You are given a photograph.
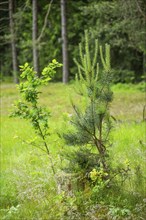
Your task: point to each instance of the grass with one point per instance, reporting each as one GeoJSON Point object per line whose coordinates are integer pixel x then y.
{"type": "Point", "coordinates": [27, 185]}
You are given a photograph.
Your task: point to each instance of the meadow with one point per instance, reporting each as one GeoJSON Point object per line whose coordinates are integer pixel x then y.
{"type": "Point", "coordinates": [27, 184]}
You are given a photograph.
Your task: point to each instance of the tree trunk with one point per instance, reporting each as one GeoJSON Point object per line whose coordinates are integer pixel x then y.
{"type": "Point", "coordinates": [64, 42]}
{"type": "Point", "coordinates": [13, 43]}
{"type": "Point", "coordinates": [144, 64]}
{"type": "Point", "coordinates": [34, 36]}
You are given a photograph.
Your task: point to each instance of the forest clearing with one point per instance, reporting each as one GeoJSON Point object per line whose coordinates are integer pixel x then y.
{"type": "Point", "coordinates": [26, 179]}
{"type": "Point", "coordinates": [73, 110]}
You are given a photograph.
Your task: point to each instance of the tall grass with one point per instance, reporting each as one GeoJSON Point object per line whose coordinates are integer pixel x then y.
{"type": "Point", "coordinates": [27, 185]}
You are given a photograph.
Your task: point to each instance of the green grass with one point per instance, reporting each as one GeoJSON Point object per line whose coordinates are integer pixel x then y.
{"type": "Point", "coordinates": [27, 185]}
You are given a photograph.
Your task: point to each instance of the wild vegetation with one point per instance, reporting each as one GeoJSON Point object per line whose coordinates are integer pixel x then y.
{"type": "Point", "coordinates": [73, 150]}
{"type": "Point", "coordinates": [27, 184]}
{"type": "Point", "coordinates": [119, 23]}
{"type": "Point", "coordinates": [103, 176]}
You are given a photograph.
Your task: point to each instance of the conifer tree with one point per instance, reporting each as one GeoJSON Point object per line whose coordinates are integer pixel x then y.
{"type": "Point", "coordinates": [91, 121]}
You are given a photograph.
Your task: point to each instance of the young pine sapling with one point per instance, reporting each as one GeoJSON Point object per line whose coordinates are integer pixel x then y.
{"type": "Point", "coordinates": [91, 124]}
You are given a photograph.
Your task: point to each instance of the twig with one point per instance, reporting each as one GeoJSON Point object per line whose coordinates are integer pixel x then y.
{"type": "Point", "coordinates": [2, 3]}
{"type": "Point", "coordinates": [45, 22]}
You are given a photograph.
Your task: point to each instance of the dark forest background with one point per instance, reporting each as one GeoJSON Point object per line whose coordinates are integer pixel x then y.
{"type": "Point", "coordinates": [121, 23]}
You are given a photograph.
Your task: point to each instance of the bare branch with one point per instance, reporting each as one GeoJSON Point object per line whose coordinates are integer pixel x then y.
{"type": "Point", "coordinates": [45, 22]}
{"type": "Point", "coordinates": [2, 3]}
{"type": "Point", "coordinates": [4, 9]}
{"type": "Point", "coordinates": [2, 19]}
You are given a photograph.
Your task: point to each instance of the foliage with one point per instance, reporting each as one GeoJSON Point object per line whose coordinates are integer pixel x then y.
{"type": "Point", "coordinates": [28, 107]}
{"type": "Point", "coordinates": [92, 123]}
{"type": "Point", "coordinates": [27, 185]}
{"type": "Point", "coordinates": [121, 23]}
{"type": "Point", "coordinates": [98, 181]}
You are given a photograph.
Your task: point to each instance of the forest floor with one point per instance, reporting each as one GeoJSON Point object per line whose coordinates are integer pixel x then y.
{"type": "Point", "coordinates": [24, 168]}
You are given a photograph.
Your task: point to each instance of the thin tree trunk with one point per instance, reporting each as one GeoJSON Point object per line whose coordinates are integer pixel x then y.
{"type": "Point", "coordinates": [13, 43]}
{"type": "Point", "coordinates": [34, 36]}
{"type": "Point", "coordinates": [144, 63]}
{"type": "Point", "coordinates": [64, 42]}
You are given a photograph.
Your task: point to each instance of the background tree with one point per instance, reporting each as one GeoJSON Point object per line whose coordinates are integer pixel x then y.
{"type": "Point", "coordinates": [136, 14]}
{"type": "Point", "coordinates": [13, 43]}
{"type": "Point", "coordinates": [120, 23]}
{"type": "Point", "coordinates": [5, 51]}
{"type": "Point", "coordinates": [34, 36]}
{"type": "Point", "coordinates": [64, 42]}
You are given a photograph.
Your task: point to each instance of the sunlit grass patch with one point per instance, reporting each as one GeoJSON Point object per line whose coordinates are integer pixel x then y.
{"type": "Point", "coordinates": [26, 178]}
{"type": "Point", "coordinates": [129, 141]}
{"type": "Point", "coordinates": [128, 102]}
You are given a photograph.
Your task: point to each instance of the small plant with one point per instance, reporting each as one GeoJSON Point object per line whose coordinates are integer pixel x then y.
{"type": "Point", "coordinates": [97, 175]}
{"type": "Point", "coordinates": [91, 121]}
{"type": "Point", "coordinates": [117, 213]}
{"type": "Point", "coordinates": [28, 106]}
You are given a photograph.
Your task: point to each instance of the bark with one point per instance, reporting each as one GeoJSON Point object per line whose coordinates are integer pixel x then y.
{"type": "Point", "coordinates": [34, 36]}
{"type": "Point", "coordinates": [144, 63]}
{"type": "Point", "coordinates": [13, 43]}
{"type": "Point", "coordinates": [64, 42]}
{"type": "Point", "coordinates": [144, 54]}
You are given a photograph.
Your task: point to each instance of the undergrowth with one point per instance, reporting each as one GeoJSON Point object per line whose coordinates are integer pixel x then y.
{"type": "Point", "coordinates": [27, 187]}
{"type": "Point", "coordinates": [27, 184]}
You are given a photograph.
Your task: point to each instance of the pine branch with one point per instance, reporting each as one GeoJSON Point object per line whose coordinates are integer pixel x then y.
{"type": "Point", "coordinates": [140, 9]}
